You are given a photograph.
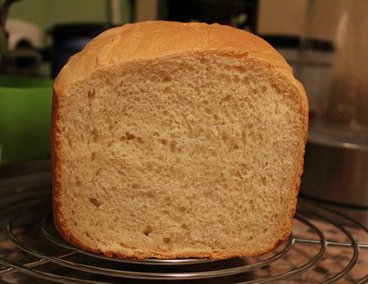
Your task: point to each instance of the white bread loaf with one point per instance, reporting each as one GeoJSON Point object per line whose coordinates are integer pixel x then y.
{"type": "Point", "coordinates": [175, 140]}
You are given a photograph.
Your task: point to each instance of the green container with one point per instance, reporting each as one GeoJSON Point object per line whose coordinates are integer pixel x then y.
{"type": "Point", "coordinates": [25, 119]}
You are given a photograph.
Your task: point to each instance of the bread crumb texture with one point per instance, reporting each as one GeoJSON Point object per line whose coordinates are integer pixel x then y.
{"type": "Point", "coordinates": [194, 154]}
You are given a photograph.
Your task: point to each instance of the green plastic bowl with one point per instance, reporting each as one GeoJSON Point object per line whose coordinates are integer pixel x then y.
{"type": "Point", "coordinates": [25, 119]}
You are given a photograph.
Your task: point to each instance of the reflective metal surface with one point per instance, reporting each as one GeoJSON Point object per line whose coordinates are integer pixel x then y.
{"type": "Point", "coordinates": [336, 170]}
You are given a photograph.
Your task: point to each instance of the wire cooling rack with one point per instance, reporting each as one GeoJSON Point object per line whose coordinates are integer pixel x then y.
{"type": "Point", "coordinates": [325, 247]}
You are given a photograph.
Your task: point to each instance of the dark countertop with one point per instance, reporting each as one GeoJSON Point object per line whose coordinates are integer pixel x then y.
{"type": "Point", "coordinates": [32, 173]}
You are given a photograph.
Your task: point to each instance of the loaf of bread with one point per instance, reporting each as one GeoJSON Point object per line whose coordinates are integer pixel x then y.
{"type": "Point", "coordinates": [177, 140]}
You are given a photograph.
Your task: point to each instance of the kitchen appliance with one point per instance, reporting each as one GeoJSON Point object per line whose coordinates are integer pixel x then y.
{"type": "Point", "coordinates": [21, 32]}
{"type": "Point", "coordinates": [25, 118]}
{"type": "Point", "coordinates": [23, 44]}
{"type": "Point", "coordinates": [336, 160]}
{"type": "Point", "coordinates": [25, 104]}
{"type": "Point", "coordinates": [336, 168]}
{"type": "Point", "coordinates": [237, 13]}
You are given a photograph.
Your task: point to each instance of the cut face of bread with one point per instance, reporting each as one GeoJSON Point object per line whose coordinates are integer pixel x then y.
{"type": "Point", "coordinates": [191, 154]}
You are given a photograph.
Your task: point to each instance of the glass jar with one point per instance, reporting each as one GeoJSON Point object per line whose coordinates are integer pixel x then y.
{"type": "Point", "coordinates": [339, 103]}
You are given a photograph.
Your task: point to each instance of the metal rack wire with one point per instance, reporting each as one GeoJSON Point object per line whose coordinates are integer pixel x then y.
{"type": "Point", "coordinates": [37, 251]}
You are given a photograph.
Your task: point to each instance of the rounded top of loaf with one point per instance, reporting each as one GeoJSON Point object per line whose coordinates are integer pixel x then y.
{"type": "Point", "coordinates": [155, 39]}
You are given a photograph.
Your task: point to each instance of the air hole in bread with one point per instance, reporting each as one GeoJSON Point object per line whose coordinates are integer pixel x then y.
{"type": "Point", "coordinates": [78, 182]}
{"type": "Point", "coordinates": [147, 230]}
{"type": "Point", "coordinates": [244, 137]}
{"type": "Point", "coordinates": [173, 146]}
{"type": "Point", "coordinates": [208, 110]}
{"type": "Point", "coordinates": [243, 168]}
{"type": "Point", "coordinates": [189, 126]}
{"type": "Point", "coordinates": [150, 194]}
{"type": "Point", "coordinates": [264, 89]}
{"type": "Point", "coordinates": [91, 94]}
{"type": "Point", "coordinates": [95, 202]}
{"type": "Point", "coordinates": [263, 181]}
{"type": "Point", "coordinates": [167, 240]}
{"type": "Point", "coordinates": [246, 80]}
{"type": "Point", "coordinates": [167, 199]}
{"type": "Point", "coordinates": [135, 185]}
{"type": "Point", "coordinates": [184, 226]}
{"type": "Point", "coordinates": [166, 79]}
{"type": "Point", "coordinates": [213, 153]}
{"type": "Point", "coordinates": [95, 135]}
{"type": "Point", "coordinates": [216, 117]}
{"type": "Point", "coordinates": [122, 244]}
{"type": "Point", "coordinates": [233, 146]}
{"type": "Point", "coordinates": [166, 90]}
{"type": "Point", "coordinates": [129, 136]}
{"type": "Point", "coordinates": [163, 141]}
{"type": "Point", "coordinates": [93, 156]}
{"type": "Point", "coordinates": [224, 136]}
{"type": "Point", "coordinates": [70, 144]}
{"type": "Point", "coordinates": [276, 88]}
{"type": "Point", "coordinates": [226, 98]}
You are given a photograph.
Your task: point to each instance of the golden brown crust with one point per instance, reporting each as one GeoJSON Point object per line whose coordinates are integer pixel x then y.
{"type": "Point", "coordinates": [149, 40]}
{"type": "Point", "coordinates": [152, 40]}
{"type": "Point", "coordinates": [55, 163]}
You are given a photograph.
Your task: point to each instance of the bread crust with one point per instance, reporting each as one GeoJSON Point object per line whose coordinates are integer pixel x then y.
{"type": "Point", "coordinates": [150, 40]}
{"type": "Point", "coordinates": [160, 39]}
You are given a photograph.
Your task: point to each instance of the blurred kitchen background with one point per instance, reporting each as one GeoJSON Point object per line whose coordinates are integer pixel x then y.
{"type": "Point", "coordinates": [325, 41]}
